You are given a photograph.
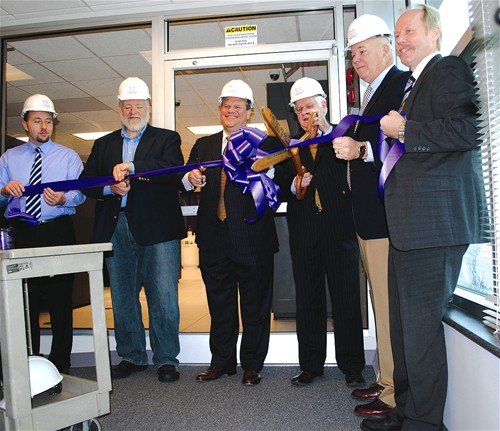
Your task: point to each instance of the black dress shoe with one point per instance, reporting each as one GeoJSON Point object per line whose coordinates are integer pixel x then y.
{"type": "Point", "coordinates": [353, 378]}
{"type": "Point", "coordinates": [125, 369]}
{"type": "Point", "coordinates": [168, 373]}
{"type": "Point", "coordinates": [389, 423]}
{"type": "Point", "coordinates": [251, 378]}
{"type": "Point", "coordinates": [213, 372]}
{"type": "Point", "coordinates": [369, 393]}
{"type": "Point", "coordinates": [304, 378]}
{"type": "Point", "coordinates": [375, 408]}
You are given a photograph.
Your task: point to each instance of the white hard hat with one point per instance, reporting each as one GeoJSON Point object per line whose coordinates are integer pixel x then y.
{"type": "Point", "coordinates": [43, 374]}
{"type": "Point", "coordinates": [38, 102]}
{"type": "Point", "coordinates": [365, 27]}
{"type": "Point", "coordinates": [133, 89]}
{"type": "Point", "coordinates": [237, 88]}
{"type": "Point", "coordinates": [305, 87]}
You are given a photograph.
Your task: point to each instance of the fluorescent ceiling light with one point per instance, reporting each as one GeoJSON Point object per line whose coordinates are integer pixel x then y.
{"type": "Point", "coordinates": [92, 136]}
{"type": "Point", "coordinates": [210, 130]}
{"type": "Point", "coordinates": [14, 74]}
{"type": "Point", "coordinates": [23, 138]}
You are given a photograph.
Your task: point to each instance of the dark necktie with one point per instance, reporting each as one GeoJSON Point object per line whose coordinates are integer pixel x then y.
{"type": "Point", "coordinates": [391, 156]}
{"type": "Point", "coordinates": [409, 86]}
{"type": "Point", "coordinates": [34, 203]}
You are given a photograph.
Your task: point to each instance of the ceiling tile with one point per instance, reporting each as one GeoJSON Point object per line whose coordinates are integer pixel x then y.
{"type": "Point", "coordinates": [82, 69]}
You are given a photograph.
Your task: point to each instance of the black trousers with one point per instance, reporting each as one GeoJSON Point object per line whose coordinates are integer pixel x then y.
{"type": "Point", "coordinates": [51, 293]}
{"type": "Point", "coordinates": [338, 261]}
{"type": "Point", "coordinates": [227, 271]}
{"type": "Point", "coordinates": [421, 283]}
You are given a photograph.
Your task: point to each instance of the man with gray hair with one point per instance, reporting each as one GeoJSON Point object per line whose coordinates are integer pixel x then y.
{"type": "Point", "coordinates": [143, 220]}
{"type": "Point", "coordinates": [371, 56]}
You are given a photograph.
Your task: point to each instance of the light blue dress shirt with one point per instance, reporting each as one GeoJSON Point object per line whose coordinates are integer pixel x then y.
{"type": "Point", "coordinates": [59, 163]}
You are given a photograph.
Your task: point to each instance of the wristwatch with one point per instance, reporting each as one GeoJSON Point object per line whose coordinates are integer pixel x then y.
{"type": "Point", "coordinates": [362, 150]}
{"type": "Point", "coordinates": [401, 132]}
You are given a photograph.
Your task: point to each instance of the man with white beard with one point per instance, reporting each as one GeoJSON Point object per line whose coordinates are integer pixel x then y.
{"type": "Point", "coordinates": [142, 218]}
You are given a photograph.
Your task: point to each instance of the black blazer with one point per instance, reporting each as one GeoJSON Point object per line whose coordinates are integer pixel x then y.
{"type": "Point", "coordinates": [153, 210]}
{"type": "Point", "coordinates": [434, 195]}
{"type": "Point", "coordinates": [249, 238]}
{"type": "Point", "coordinates": [330, 178]}
{"type": "Point", "coordinates": [368, 207]}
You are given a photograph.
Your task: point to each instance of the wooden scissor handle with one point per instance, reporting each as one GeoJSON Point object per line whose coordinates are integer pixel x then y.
{"type": "Point", "coordinates": [311, 132]}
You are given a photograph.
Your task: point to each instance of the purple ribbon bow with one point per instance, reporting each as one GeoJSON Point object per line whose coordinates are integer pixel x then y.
{"type": "Point", "coordinates": [242, 151]}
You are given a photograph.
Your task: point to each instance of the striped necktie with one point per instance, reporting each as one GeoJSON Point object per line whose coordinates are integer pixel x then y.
{"type": "Point", "coordinates": [409, 86]}
{"type": "Point", "coordinates": [34, 203]}
{"type": "Point", "coordinates": [366, 99]}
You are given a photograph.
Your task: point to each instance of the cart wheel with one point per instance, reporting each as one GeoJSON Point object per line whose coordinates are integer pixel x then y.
{"type": "Point", "coordinates": [89, 425]}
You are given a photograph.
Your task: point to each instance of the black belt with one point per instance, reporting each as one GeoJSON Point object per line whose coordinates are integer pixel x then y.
{"type": "Point", "coordinates": [40, 222]}
{"type": "Point", "coordinates": [122, 209]}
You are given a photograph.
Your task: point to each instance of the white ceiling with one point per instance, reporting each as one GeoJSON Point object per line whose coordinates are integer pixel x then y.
{"type": "Point", "coordinates": [81, 72]}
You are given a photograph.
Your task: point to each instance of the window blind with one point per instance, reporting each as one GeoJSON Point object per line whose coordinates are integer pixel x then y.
{"type": "Point", "coordinates": [486, 57]}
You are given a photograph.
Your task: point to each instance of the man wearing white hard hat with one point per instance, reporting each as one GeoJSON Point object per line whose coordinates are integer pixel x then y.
{"type": "Point", "coordinates": [323, 244]}
{"type": "Point", "coordinates": [41, 160]}
{"type": "Point", "coordinates": [371, 55]}
{"type": "Point", "coordinates": [142, 218]}
{"type": "Point", "coordinates": [235, 256]}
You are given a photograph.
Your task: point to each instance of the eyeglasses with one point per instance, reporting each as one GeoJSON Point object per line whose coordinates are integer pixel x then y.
{"type": "Point", "coordinates": [308, 107]}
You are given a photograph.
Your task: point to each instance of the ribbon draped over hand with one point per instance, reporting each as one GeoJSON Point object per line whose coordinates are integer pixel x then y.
{"type": "Point", "coordinates": [243, 149]}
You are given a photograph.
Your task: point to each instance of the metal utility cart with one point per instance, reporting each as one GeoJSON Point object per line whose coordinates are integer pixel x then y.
{"type": "Point", "coordinates": [80, 399]}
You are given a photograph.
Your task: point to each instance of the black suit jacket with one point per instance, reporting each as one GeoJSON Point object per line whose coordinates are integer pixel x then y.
{"type": "Point", "coordinates": [434, 195]}
{"type": "Point", "coordinates": [368, 207]}
{"type": "Point", "coordinates": [153, 210]}
{"type": "Point", "coordinates": [250, 238]}
{"type": "Point", "coordinates": [330, 178]}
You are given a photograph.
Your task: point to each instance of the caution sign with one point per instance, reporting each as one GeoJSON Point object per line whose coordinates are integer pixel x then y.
{"type": "Point", "coordinates": [241, 35]}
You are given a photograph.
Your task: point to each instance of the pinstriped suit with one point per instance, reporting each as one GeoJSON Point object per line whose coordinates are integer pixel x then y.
{"type": "Point", "coordinates": [235, 256]}
{"type": "Point", "coordinates": [324, 244]}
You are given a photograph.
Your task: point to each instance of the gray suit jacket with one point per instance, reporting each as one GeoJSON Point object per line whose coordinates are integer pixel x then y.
{"type": "Point", "coordinates": [434, 195]}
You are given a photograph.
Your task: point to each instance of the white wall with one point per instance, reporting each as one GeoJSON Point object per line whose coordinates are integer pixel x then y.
{"type": "Point", "coordinates": [473, 402]}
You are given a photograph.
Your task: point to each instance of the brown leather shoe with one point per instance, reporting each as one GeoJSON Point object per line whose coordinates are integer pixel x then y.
{"type": "Point", "coordinates": [368, 394]}
{"type": "Point", "coordinates": [213, 372]}
{"type": "Point", "coordinates": [251, 378]}
{"type": "Point", "coordinates": [375, 408]}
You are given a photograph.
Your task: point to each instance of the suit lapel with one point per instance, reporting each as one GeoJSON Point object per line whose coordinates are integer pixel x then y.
{"type": "Point", "coordinates": [380, 89]}
{"type": "Point", "coordinates": [418, 82]}
{"type": "Point", "coordinates": [147, 140]}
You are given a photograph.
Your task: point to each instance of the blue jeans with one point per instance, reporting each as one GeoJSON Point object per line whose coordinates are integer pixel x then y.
{"type": "Point", "coordinates": [156, 267]}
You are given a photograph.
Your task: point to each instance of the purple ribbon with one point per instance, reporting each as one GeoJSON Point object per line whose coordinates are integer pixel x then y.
{"type": "Point", "coordinates": [337, 132]}
{"type": "Point", "coordinates": [242, 151]}
{"type": "Point", "coordinates": [87, 183]}
{"type": "Point", "coordinates": [389, 155]}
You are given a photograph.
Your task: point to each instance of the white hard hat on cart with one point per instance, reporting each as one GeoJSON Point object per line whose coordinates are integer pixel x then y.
{"type": "Point", "coordinates": [365, 27]}
{"type": "Point", "coordinates": [237, 88]}
{"type": "Point", "coordinates": [39, 103]}
{"type": "Point", "coordinates": [43, 376]}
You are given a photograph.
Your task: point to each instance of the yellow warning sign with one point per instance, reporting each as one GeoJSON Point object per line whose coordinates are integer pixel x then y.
{"type": "Point", "coordinates": [241, 35]}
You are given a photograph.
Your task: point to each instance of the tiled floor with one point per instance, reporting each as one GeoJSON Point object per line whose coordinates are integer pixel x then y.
{"type": "Point", "coordinates": [193, 309]}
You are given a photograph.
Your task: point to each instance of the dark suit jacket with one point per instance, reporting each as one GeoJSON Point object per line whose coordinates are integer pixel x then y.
{"type": "Point", "coordinates": [434, 195]}
{"type": "Point", "coordinates": [368, 207]}
{"type": "Point", "coordinates": [153, 210]}
{"type": "Point", "coordinates": [250, 238]}
{"type": "Point", "coordinates": [330, 178]}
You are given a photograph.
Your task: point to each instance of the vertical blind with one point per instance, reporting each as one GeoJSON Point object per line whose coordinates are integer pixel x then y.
{"type": "Point", "coordinates": [486, 68]}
